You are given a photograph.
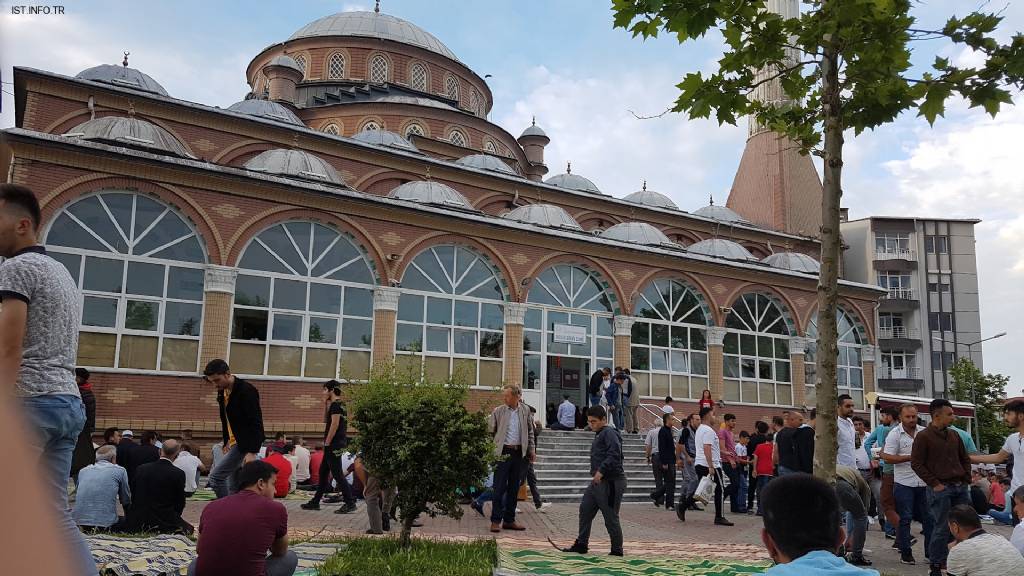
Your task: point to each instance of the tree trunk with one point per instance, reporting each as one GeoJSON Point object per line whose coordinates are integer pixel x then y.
{"type": "Point", "coordinates": [825, 445]}
{"type": "Point", "coordinates": [405, 538]}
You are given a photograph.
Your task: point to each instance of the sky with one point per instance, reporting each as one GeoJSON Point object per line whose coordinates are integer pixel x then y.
{"type": "Point", "coordinates": [586, 82]}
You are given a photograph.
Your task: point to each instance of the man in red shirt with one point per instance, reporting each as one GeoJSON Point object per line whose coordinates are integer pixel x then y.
{"type": "Point", "coordinates": [764, 468]}
{"type": "Point", "coordinates": [277, 459]}
{"type": "Point", "coordinates": [314, 465]}
{"type": "Point", "coordinates": [237, 531]}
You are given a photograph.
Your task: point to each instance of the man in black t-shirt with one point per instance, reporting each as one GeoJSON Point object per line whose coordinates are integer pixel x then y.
{"type": "Point", "coordinates": [335, 440]}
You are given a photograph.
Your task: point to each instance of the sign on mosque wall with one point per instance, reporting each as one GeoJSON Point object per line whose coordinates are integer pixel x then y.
{"type": "Point", "coordinates": [569, 334]}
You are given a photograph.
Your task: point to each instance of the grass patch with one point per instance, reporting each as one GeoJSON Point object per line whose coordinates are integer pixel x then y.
{"type": "Point", "coordinates": [384, 557]}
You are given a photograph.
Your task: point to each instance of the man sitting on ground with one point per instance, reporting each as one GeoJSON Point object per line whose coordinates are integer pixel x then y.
{"type": "Point", "coordinates": [144, 453]}
{"type": "Point", "coordinates": [112, 437]}
{"type": "Point", "coordinates": [277, 459]}
{"type": "Point", "coordinates": [302, 455]}
{"type": "Point", "coordinates": [191, 465]}
{"type": "Point", "coordinates": [802, 529]}
{"type": "Point", "coordinates": [566, 415]}
{"type": "Point", "coordinates": [158, 492]}
{"type": "Point", "coordinates": [99, 487]}
{"type": "Point", "coordinates": [237, 531]}
{"type": "Point", "coordinates": [977, 552]}
{"type": "Point", "coordinates": [1017, 538]}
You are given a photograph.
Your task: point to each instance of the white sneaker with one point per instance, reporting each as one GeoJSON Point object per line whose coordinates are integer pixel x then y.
{"type": "Point", "coordinates": [519, 510]}
{"type": "Point", "coordinates": [543, 508]}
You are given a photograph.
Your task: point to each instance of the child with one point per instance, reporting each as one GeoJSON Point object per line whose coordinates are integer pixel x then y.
{"type": "Point", "coordinates": [764, 469]}
{"type": "Point", "coordinates": [741, 455]}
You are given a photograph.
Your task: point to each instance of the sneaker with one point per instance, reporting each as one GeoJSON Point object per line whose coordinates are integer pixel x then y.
{"type": "Point", "coordinates": [681, 512]}
{"type": "Point", "coordinates": [478, 508]}
{"type": "Point", "coordinates": [858, 560]}
{"type": "Point", "coordinates": [333, 499]}
{"type": "Point", "coordinates": [935, 571]}
{"type": "Point", "coordinates": [346, 508]}
{"type": "Point", "coordinates": [575, 548]}
{"type": "Point", "coordinates": [309, 506]}
{"type": "Point", "coordinates": [889, 536]}
{"type": "Point", "coordinates": [907, 558]}
{"type": "Point", "coordinates": [615, 553]}
{"type": "Point", "coordinates": [544, 506]}
{"type": "Point", "coordinates": [723, 522]}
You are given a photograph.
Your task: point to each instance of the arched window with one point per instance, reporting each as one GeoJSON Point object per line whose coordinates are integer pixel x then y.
{"type": "Point", "coordinates": [849, 369]}
{"type": "Point", "coordinates": [413, 129]}
{"type": "Point", "coordinates": [336, 66]}
{"type": "Point", "coordinates": [756, 350]}
{"type": "Point", "coordinates": [451, 87]}
{"type": "Point", "coordinates": [418, 77]}
{"type": "Point", "coordinates": [306, 307]}
{"type": "Point", "coordinates": [379, 69]}
{"type": "Point", "coordinates": [301, 61]}
{"type": "Point", "coordinates": [669, 341]}
{"type": "Point", "coordinates": [140, 268]}
{"type": "Point", "coordinates": [474, 102]}
{"type": "Point", "coordinates": [370, 125]}
{"type": "Point", "coordinates": [489, 147]}
{"type": "Point", "coordinates": [450, 316]}
{"type": "Point", "coordinates": [457, 138]}
{"type": "Point", "coordinates": [331, 129]}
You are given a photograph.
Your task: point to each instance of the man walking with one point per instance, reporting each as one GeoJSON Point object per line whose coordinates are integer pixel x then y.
{"type": "Point", "coordinates": [708, 461]}
{"type": "Point", "coordinates": [1013, 415]}
{"type": "Point", "coordinates": [598, 381]}
{"type": "Point", "coordinates": [940, 459]}
{"type": "Point", "coordinates": [511, 427]}
{"type": "Point", "coordinates": [686, 451]}
{"type": "Point", "coordinates": [241, 425]}
{"type": "Point", "coordinates": [651, 451]}
{"type": "Point", "coordinates": [908, 489]}
{"type": "Point", "coordinates": [731, 463]}
{"type": "Point", "coordinates": [606, 487]}
{"type": "Point", "coordinates": [666, 463]}
{"type": "Point", "coordinates": [566, 415]}
{"type": "Point", "coordinates": [40, 316]}
{"type": "Point", "coordinates": [335, 440]}
{"type": "Point", "coordinates": [888, 418]}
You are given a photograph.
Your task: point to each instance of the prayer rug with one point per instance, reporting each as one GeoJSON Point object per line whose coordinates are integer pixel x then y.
{"type": "Point", "coordinates": [166, 555]}
{"type": "Point", "coordinates": [207, 495]}
{"type": "Point", "coordinates": [538, 563]}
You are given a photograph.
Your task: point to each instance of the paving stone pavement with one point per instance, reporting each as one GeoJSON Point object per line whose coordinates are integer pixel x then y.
{"type": "Point", "coordinates": [648, 531]}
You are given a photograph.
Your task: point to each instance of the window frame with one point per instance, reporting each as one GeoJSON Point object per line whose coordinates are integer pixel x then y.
{"type": "Point", "coordinates": [330, 62]}
{"type": "Point", "coordinates": [372, 69]}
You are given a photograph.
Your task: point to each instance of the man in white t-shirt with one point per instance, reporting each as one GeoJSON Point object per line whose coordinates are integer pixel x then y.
{"type": "Point", "coordinates": [191, 465]}
{"type": "Point", "coordinates": [301, 475]}
{"type": "Point", "coordinates": [976, 552]}
{"type": "Point", "coordinates": [708, 461]}
{"type": "Point", "coordinates": [909, 491]}
{"type": "Point", "coordinates": [1013, 413]}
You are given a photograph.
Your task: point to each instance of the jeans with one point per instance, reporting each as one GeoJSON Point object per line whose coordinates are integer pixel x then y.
{"type": "Point", "coordinates": [616, 412]}
{"type": "Point", "coordinates": [595, 399]}
{"type": "Point", "coordinates": [222, 477]}
{"type": "Point", "coordinates": [1004, 516]}
{"type": "Point", "coordinates": [912, 504]}
{"type": "Point", "coordinates": [275, 565]}
{"type": "Point", "coordinates": [559, 426]}
{"type": "Point", "coordinates": [331, 464]}
{"type": "Point", "coordinates": [530, 477]}
{"type": "Point", "coordinates": [605, 497]}
{"type": "Point", "coordinates": [57, 420]}
{"type": "Point", "coordinates": [689, 483]}
{"type": "Point", "coordinates": [733, 473]}
{"type": "Point", "coordinates": [856, 516]}
{"type": "Point", "coordinates": [783, 471]}
{"type": "Point", "coordinates": [762, 481]}
{"type": "Point", "coordinates": [741, 492]}
{"type": "Point", "coordinates": [939, 504]}
{"type": "Point", "coordinates": [507, 478]}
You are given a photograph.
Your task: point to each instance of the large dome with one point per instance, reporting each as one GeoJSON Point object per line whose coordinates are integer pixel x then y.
{"type": "Point", "coordinates": [129, 132]}
{"type": "Point", "coordinates": [294, 164]}
{"type": "Point", "coordinates": [374, 25]}
{"type": "Point", "coordinates": [122, 76]}
{"type": "Point", "coordinates": [431, 192]}
{"type": "Point", "coordinates": [793, 261]}
{"type": "Point", "coordinates": [546, 215]}
{"type": "Point", "coordinates": [386, 138]}
{"type": "Point", "coordinates": [721, 248]}
{"type": "Point", "coordinates": [721, 213]}
{"type": "Point", "coordinates": [266, 109]}
{"type": "Point", "coordinates": [638, 233]}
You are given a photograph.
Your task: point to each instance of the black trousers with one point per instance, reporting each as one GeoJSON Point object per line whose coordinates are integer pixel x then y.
{"type": "Point", "coordinates": [530, 477]}
{"type": "Point", "coordinates": [703, 471]}
{"type": "Point", "coordinates": [508, 475]}
{"type": "Point", "coordinates": [331, 464]}
{"type": "Point", "coordinates": [667, 486]}
{"type": "Point", "coordinates": [733, 490]}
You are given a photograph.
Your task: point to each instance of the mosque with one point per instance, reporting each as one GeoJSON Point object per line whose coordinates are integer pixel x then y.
{"type": "Point", "coordinates": [358, 207]}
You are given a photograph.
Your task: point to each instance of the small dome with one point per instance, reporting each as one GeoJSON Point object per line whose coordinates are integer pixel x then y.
{"type": "Point", "coordinates": [638, 233]}
{"type": "Point", "coordinates": [793, 261]}
{"type": "Point", "coordinates": [287, 62]}
{"type": "Point", "coordinates": [721, 213]}
{"type": "Point", "coordinates": [374, 25]}
{"type": "Point", "coordinates": [546, 215]}
{"type": "Point", "coordinates": [294, 164]}
{"type": "Point", "coordinates": [122, 76]}
{"type": "Point", "coordinates": [385, 138]}
{"type": "Point", "coordinates": [130, 132]}
{"type": "Point", "coordinates": [486, 162]}
{"type": "Point", "coordinates": [266, 109]}
{"type": "Point", "coordinates": [573, 181]}
{"type": "Point", "coordinates": [651, 198]}
{"type": "Point", "coordinates": [720, 248]}
{"type": "Point", "coordinates": [431, 192]}
{"type": "Point", "coordinates": [534, 130]}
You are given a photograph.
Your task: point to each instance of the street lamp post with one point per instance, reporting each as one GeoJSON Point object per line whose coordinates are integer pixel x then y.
{"type": "Point", "coordinates": [970, 354]}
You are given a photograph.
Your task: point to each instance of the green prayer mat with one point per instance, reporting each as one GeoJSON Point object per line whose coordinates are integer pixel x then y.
{"type": "Point", "coordinates": [533, 562]}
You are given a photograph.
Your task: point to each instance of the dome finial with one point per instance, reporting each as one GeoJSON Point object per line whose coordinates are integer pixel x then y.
{"type": "Point", "coordinates": [645, 186]}
{"type": "Point", "coordinates": [568, 167]}
{"type": "Point", "coordinates": [377, 7]}
{"type": "Point", "coordinates": [711, 197]}
{"type": "Point", "coordinates": [534, 121]}
{"type": "Point", "coordinates": [125, 61]}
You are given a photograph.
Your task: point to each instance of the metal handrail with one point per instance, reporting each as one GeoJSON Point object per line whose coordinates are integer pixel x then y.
{"type": "Point", "coordinates": [895, 255]}
{"type": "Point", "coordinates": [898, 332]}
{"type": "Point", "coordinates": [910, 373]}
{"type": "Point", "coordinates": [654, 412]}
{"type": "Point", "coordinates": [901, 294]}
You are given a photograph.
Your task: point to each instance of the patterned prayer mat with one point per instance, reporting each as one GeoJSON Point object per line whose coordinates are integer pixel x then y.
{"type": "Point", "coordinates": [537, 563]}
{"type": "Point", "coordinates": [167, 555]}
{"type": "Point", "coordinates": [207, 495]}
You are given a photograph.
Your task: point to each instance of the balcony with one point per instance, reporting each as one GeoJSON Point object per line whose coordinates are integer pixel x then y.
{"type": "Point", "coordinates": [898, 299]}
{"type": "Point", "coordinates": [898, 338]}
{"type": "Point", "coordinates": [906, 379]}
{"type": "Point", "coordinates": [896, 255]}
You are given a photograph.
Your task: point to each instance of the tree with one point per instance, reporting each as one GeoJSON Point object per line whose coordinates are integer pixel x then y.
{"type": "Point", "coordinates": [987, 392]}
{"type": "Point", "coordinates": [418, 437]}
{"type": "Point", "coordinates": [841, 64]}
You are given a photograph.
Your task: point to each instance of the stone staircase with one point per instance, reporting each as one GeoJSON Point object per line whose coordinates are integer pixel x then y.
{"type": "Point", "coordinates": [563, 466]}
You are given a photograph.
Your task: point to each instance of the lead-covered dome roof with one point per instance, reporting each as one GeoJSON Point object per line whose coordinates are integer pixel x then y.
{"type": "Point", "coordinates": [374, 25]}
{"type": "Point", "coordinates": [721, 248]}
{"type": "Point", "coordinates": [721, 213]}
{"type": "Point", "coordinates": [386, 138]}
{"type": "Point", "coordinates": [486, 162]}
{"type": "Point", "coordinates": [638, 233]}
{"type": "Point", "coordinates": [122, 76]}
{"type": "Point", "coordinates": [546, 215]}
{"type": "Point", "coordinates": [431, 192]}
{"type": "Point", "coordinates": [294, 164]}
{"type": "Point", "coordinates": [287, 62]}
{"type": "Point", "coordinates": [131, 132]}
{"type": "Point", "coordinates": [573, 182]}
{"type": "Point", "coordinates": [266, 109]}
{"type": "Point", "coordinates": [793, 261]}
{"type": "Point", "coordinates": [651, 198]}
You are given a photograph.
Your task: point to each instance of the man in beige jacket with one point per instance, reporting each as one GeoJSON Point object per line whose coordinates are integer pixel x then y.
{"type": "Point", "coordinates": [511, 427]}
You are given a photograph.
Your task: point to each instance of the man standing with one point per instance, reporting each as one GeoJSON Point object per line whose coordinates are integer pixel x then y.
{"type": "Point", "coordinates": [908, 489]}
{"type": "Point", "coordinates": [940, 459]}
{"type": "Point", "coordinates": [633, 402]}
{"type": "Point", "coordinates": [686, 451]}
{"type": "Point", "coordinates": [241, 424]}
{"type": "Point", "coordinates": [598, 381]}
{"type": "Point", "coordinates": [40, 316]}
{"type": "Point", "coordinates": [566, 415]}
{"type": "Point", "coordinates": [888, 417]}
{"type": "Point", "coordinates": [511, 427]}
{"type": "Point", "coordinates": [756, 439]}
{"type": "Point", "coordinates": [846, 434]}
{"type": "Point", "coordinates": [613, 397]}
{"type": "Point", "coordinates": [1013, 414]}
{"type": "Point", "coordinates": [731, 463]}
{"type": "Point", "coordinates": [99, 488]}
{"type": "Point", "coordinates": [335, 440]}
{"type": "Point", "coordinates": [794, 446]}
{"type": "Point", "coordinates": [84, 452]}
{"type": "Point", "coordinates": [651, 448]}
{"type": "Point", "coordinates": [158, 497]}
{"type": "Point", "coordinates": [708, 461]}
{"type": "Point", "coordinates": [606, 487]}
{"type": "Point", "coordinates": [666, 463]}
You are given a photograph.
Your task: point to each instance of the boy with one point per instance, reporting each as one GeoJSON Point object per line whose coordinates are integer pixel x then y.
{"type": "Point", "coordinates": [764, 471]}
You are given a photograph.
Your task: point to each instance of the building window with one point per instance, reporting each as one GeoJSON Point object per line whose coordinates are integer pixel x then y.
{"type": "Point", "coordinates": [756, 352]}
{"type": "Point", "coordinates": [940, 321]}
{"type": "Point", "coordinates": [336, 66]}
{"type": "Point", "coordinates": [892, 243]}
{"type": "Point", "coordinates": [473, 103]}
{"type": "Point", "coordinates": [303, 305]}
{"type": "Point", "coordinates": [451, 87]}
{"type": "Point", "coordinates": [668, 352]}
{"type": "Point", "coordinates": [898, 284]}
{"type": "Point", "coordinates": [451, 319]}
{"type": "Point", "coordinates": [331, 129]}
{"type": "Point", "coordinates": [418, 77]}
{"type": "Point", "coordinates": [457, 138]}
{"type": "Point", "coordinates": [413, 129]}
{"type": "Point", "coordinates": [899, 365]}
{"type": "Point", "coordinates": [370, 125]}
{"type": "Point", "coordinates": [849, 366]}
{"type": "Point", "coordinates": [140, 267]}
{"type": "Point", "coordinates": [301, 61]}
{"type": "Point", "coordinates": [489, 147]}
{"type": "Point", "coordinates": [378, 69]}
{"type": "Point", "coordinates": [943, 361]}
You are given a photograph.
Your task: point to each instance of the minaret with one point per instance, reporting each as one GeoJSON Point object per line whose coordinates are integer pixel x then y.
{"type": "Point", "coordinates": [775, 186]}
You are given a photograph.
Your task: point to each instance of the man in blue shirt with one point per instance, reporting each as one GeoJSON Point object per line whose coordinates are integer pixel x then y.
{"type": "Point", "coordinates": [566, 415]}
{"type": "Point", "coordinates": [802, 530]}
{"type": "Point", "coordinates": [100, 486]}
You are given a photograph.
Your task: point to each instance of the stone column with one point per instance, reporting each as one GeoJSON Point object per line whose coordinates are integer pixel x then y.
{"type": "Point", "coordinates": [867, 360]}
{"type": "Point", "coordinates": [797, 375]}
{"type": "Point", "coordinates": [515, 316]}
{"type": "Point", "coordinates": [716, 362]}
{"type": "Point", "coordinates": [385, 311]}
{"type": "Point", "coordinates": [623, 332]}
{"type": "Point", "coordinates": [219, 292]}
